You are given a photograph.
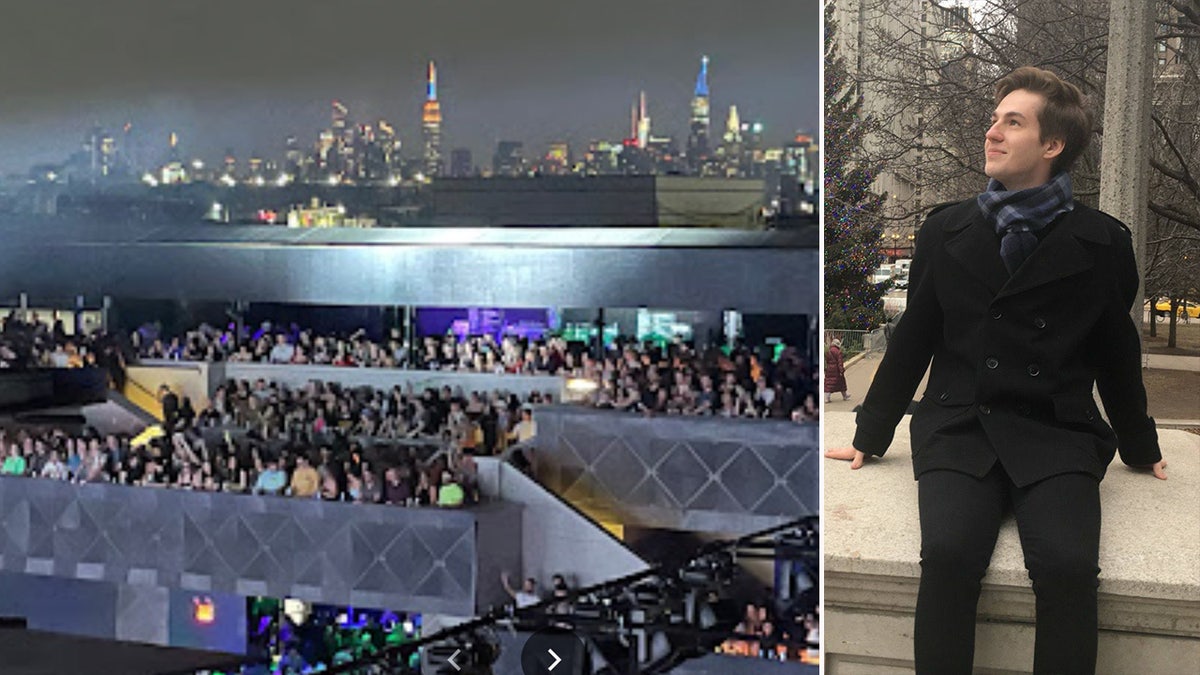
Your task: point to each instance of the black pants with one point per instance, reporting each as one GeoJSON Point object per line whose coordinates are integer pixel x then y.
{"type": "Point", "coordinates": [1059, 523]}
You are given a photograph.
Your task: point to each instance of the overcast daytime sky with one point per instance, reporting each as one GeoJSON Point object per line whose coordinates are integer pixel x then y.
{"type": "Point", "coordinates": [243, 74]}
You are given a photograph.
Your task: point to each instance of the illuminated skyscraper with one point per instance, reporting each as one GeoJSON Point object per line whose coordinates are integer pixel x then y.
{"type": "Point", "coordinates": [334, 151]}
{"type": "Point", "coordinates": [431, 125]}
{"type": "Point", "coordinates": [698, 146]}
{"type": "Point", "coordinates": [338, 118]}
{"type": "Point", "coordinates": [729, 154]}
{"type": "Point", "coordinates": [643, 123]}
{"type": "Point", "coordinates": [733, 127]}
{"type": "Point", "coordinates": [557, 161]}
{"type": "Point", "coordinates": [101, 149]}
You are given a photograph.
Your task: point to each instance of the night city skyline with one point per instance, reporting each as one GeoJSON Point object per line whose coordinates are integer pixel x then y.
{"type": "Point", "coordinates": [244, 79]}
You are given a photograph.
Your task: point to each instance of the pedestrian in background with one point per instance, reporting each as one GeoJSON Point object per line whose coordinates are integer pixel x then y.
{"type": "Point", "coordinates": [835, 372]}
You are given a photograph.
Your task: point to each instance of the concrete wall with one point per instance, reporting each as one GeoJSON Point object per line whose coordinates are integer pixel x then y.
{"type": "Point", "coordinates": [348, 266]}
{"type": "Point", "coordinates": [414, 559]}
{"type": "Point", "coordinates": [18, 388]}
{"type": "Point", "coordinates": [555, 538]}
{"type": "Point", "coordinates": [185, 379]}
{"type": "Point", "coordinates": [1149, 562]}
{"type": "Point", "coordinates": [700, 474]}
{"type": "Point", "coordinates": [112, 417]}
{"type": "Point", "coordinates": [114, 611]}
{"type": "Point", "coordinates": [386, 378]}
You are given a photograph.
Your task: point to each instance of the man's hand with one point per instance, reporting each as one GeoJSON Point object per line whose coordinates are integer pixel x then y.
{"type": "Point", "coordinates": [849, 454]}
{"type": "Point", "coordinates": [1158, 468]}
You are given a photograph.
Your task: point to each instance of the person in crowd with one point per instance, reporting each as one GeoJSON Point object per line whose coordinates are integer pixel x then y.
{"type": "Point", "coordinates": [397, 486]}
{"type": "Point", "coordinates": [55, 469]}
{"type": "Point", "coordinates": [526, 429]}
{"type": "Point", "coordinates": [372, 491]}
{"type": "Point", "coordinates": [526, 596]}
{"type": "Point", "coordinates": [169, 401]}
{"type": "Point", "coordinates": [561, 593]}
{"type": "Point", "coordinates": [272, 480]}
{"type": "Point", "coordinates": [305, 479]}
{"type": "Point", "coordinates": [450, 493]}
{"type": "Point", "coordinates": [14, 462]}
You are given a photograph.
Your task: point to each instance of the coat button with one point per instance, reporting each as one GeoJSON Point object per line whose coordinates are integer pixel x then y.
{"type": "Point", "coordinates": [945, 396]}
{"type": "Point", "coordinates": [1024, 409]}
{"type": "Point", "coordinates": [992, 363]}
{"type": "Point", "coordinates": [996, 314]}
{"type": "Point", "coordinates": [1034, 370]}
{"type": "Point", "coordinates": [985, 410]}
{"type": "Point", "coordinates": [1091, 416]}
{"type": "Point", "coordinates": [1039, 322]}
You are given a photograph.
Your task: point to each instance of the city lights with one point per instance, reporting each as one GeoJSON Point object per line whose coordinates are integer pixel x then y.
{"type": "Point", "coordinates": [350, 151]}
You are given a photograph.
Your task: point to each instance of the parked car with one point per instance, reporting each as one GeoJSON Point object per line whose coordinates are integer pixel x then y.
{"type": "Point", "coordinates": [1162, 309]}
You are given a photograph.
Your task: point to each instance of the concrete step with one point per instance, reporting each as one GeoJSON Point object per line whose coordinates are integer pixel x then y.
{"type": "Point", "coordinates": [1149, 561]}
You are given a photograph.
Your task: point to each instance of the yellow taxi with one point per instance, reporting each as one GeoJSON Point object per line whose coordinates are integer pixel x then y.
{"type": "Point", "coordinates": [1163, 308]}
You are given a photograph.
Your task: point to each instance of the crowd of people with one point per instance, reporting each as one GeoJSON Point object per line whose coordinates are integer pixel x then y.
{"type": "Point", "coordinates": [674, 379]}
{"type": "Point", "coordinates": [340, 470]}
{"type": "Point", "coordinates": [476, 423]}
{"type": "Point", "coordinates": [320, 441]}
{"type": "Point", "coordinates": [678, 380]}
{"type": "Point", "coordinates": [29, 341]}
{"type": "Point", "coordinates": [758, 635]}
{"type": "Point", "coordinates": [292, 345]}
{"type": "Point", "coordinates": [668, 379]}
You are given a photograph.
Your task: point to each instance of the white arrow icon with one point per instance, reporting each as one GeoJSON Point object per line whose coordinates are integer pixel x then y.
{"type": "Point", "coordinates": [451, 659]}
{"type": "Point", "coordinates": [557, 660]}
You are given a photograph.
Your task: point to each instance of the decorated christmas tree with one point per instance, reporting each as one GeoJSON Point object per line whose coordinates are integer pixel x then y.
{"type": "Point", "coordinates": [853, 226]}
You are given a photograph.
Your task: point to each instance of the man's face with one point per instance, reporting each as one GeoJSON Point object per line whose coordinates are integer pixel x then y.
{"type": "Point", "coordinates": [1015, 153]}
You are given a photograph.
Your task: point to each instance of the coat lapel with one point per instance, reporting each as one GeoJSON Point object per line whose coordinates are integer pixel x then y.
{"type": "Point", "coordinates": [1058, 256]}
{"type": "Point", "coordinates": [976, 248]}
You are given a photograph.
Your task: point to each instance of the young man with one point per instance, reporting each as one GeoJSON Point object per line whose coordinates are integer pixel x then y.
{"type": "Point", "coordinates": [1021, 297]}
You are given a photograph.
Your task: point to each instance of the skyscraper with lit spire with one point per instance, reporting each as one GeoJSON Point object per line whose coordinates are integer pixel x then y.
{"type": "Point", "coordinates": [643, 123]}
{"type": "Point", "coordinates": [698, 146]}
{"type": "Point", "coordinates": [431, 124]}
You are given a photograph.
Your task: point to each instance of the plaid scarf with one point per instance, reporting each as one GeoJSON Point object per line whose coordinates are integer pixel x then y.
{"type": "Point", "coordinates": [1017, 214]}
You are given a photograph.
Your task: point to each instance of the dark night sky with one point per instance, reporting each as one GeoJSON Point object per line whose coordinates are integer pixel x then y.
{"type": "Point", "coordinates": [245, 73]}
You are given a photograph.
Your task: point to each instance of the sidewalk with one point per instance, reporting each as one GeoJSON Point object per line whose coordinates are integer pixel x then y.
{"type": "Point", "coordinates": [1172, 362]}
{"type": "Point", "coordinates": [861, 370]}
{"type": "Point", "coordinates": [859, 373]}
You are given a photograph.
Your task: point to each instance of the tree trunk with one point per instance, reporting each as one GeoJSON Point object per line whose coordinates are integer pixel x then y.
{"type": "Point", "coordinates": [1174, 321]}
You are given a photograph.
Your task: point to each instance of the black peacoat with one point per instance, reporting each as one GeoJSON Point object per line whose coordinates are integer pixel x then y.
{"type": "Point", "coordinates": [1015, 358]}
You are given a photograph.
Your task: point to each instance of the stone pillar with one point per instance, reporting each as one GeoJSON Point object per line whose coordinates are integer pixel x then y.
{"type": "Point", "coordinates": [1128, 96]}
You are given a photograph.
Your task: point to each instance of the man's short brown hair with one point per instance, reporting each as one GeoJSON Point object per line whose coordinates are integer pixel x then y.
{"type": "Point", "coordinates": [1064, 116]}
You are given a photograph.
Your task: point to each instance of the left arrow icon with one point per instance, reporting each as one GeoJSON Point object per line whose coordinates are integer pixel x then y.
{"type": "Point", "coordinates": [451, 659]}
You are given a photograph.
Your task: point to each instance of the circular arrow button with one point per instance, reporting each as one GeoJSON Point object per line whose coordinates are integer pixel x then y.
{"type": "Point", "coordinates": [554, 651]}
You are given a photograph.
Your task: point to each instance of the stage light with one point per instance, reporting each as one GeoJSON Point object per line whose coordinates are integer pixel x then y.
{"type": "Point", "coordinates": [581, 385]}
{"type": "Point", "coordinates": [203, 610]}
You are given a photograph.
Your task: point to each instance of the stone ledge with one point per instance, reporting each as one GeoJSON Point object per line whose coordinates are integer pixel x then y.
{"type": "Point", "coordinates": [1149, 558]}
{"type": "Point", "coordinates": [877, 643]}
{"type": "Point", "coordinates": [865, 592]}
